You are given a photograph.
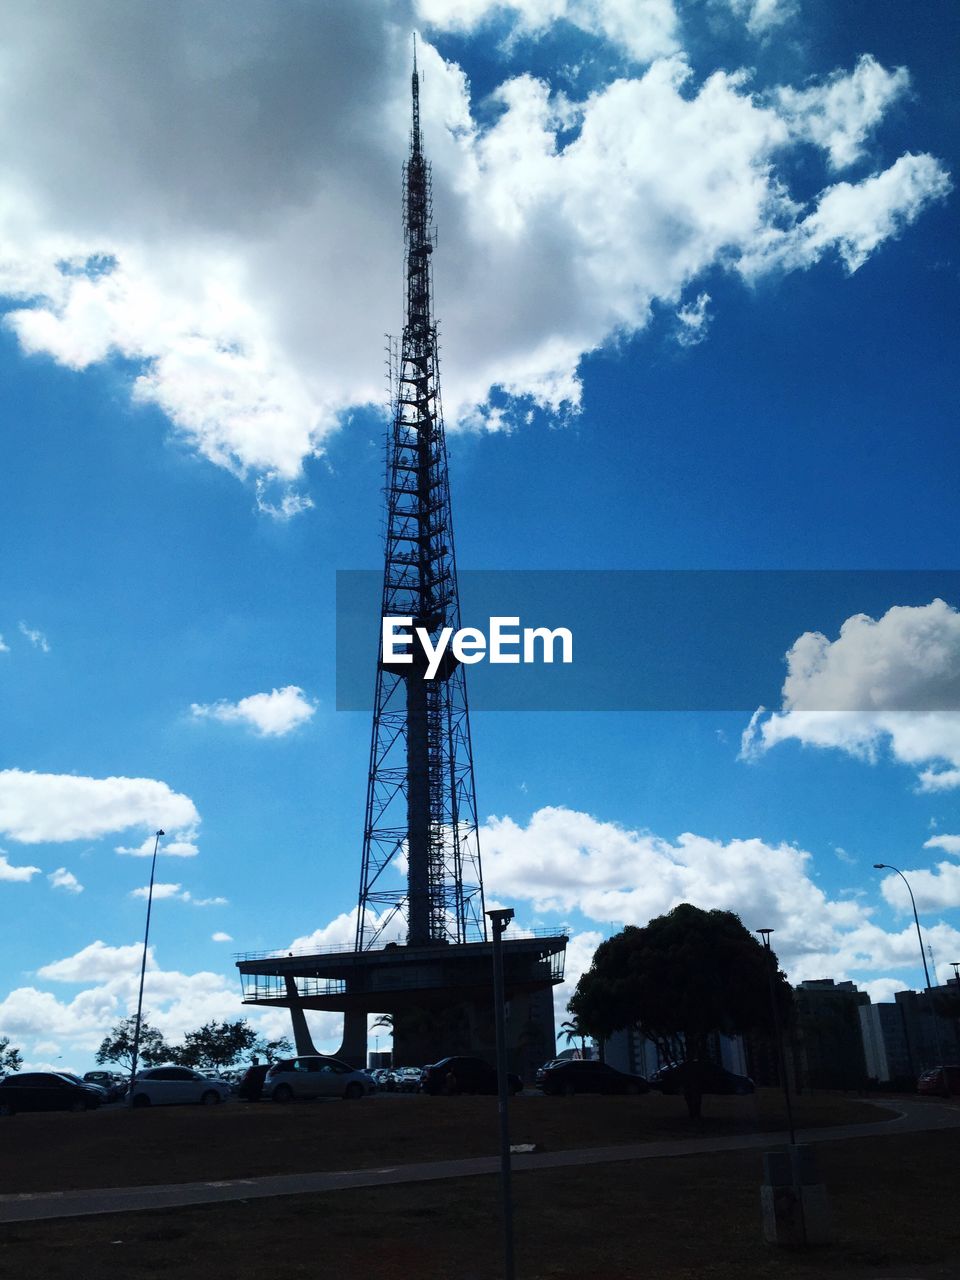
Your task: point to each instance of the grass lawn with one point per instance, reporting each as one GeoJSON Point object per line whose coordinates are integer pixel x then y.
{"type": "Point", "coordinates": [118, 1147]}
{"type": "Point", "coordinates": [682, 1218]}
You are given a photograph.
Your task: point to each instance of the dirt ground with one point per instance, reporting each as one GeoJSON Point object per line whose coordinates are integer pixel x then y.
{"type": "Point", "coordinates": [684, 1218]}
{"type": "Point", "coordinates": [118, 1147]}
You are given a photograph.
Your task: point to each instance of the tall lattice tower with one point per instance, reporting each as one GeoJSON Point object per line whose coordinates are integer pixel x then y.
{"type": "Point", "coordinates": [421, 810]}
{"type": "Point", "coordinates": [421, 804]}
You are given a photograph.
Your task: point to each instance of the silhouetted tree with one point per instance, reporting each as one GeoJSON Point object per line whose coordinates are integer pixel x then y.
{"type": "Point", "coordinates": [216, 1044]}
{"type": "Point", "coordinates": [11, 1059]}
{"type": "Point", "coordinates": [272, 1050]}
{"type": "Point", "coordinates": [684, 976]}
{"type": "Point", "coordinates": [572, 1031]}
{"type": "Point", "coordinates": [118, 1045]}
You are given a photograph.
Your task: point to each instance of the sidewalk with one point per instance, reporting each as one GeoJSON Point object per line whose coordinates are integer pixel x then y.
{"type": "Point", "coordinates": [912, 1117]}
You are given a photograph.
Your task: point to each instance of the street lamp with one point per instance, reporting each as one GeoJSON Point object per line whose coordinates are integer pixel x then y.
{"type": "Point", "coordinates": [499, 919]}
{"type": "Point", "coordinates": [781, 1057]}
{"type": "Point", "coordinates": [886, 866]}
{"type": "Point", "coordinates": [143, 965]}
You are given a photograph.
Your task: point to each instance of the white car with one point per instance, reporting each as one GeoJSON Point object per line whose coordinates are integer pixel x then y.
{"type": "Point", "coordinates": [315, 1076]}
{"type": "Point", "coordinates": [163, 1086]}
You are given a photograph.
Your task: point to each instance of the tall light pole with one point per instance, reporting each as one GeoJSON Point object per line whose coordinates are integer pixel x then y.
{"type": "Point", "coordinates": [886, 866]}
{"type": "Point", "coordinates": [143, 965]}
{"type": "Point", "coordinates": [499, 919]}
{"type": "Point", "coordinates": [781, 1057]}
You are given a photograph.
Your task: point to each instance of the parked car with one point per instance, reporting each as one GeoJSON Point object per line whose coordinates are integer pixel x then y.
{"type": "Point", "coordinates": [165, 1086]}
{"type": "Point", "coordinates": [251, 1083]}
{"type": "Point", "coordinates": [115, 1085]}
{"type": "Point", "coordinates": [940, 1081]}
{"type": "Point", "coordinates": [407, 1079]}
{"type": "Point", "coordinates": [46, 1091]}
{"type": "Point", "coordinates": [464, 1075]}
{"type": "Point", "coordinates": [713, 1079]}
{"type": "Point", "coordinates": [587, 1075]}
{"type": "Point", "coordinates": [315, 1076]}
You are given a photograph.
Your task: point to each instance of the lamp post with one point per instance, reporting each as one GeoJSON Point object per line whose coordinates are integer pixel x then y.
{"type": "Point", "coordinates": [886, 866]}
{"type": "Point", "coordinates": [499, 919]}
{"type": "Point", "coordinates": [143, 965]}
{"type": "Point", "coordinates": [781, 1057]}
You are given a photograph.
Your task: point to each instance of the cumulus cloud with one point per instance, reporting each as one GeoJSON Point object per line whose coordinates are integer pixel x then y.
{"type": "Point", "coordinates": [181, 844]}
{"type": "Point", "coordinates": [36, 638]}
{"type": "Point", "coordinates": [220, 937]}
{"type": "Point", "coordinates": [936, 889]}
{"type": "Point", "coordinates": [272, 715]}
{"type": "Point", "coordinates": [235, 237]}
{"type": "Point", "coordinates": [564, 860]}
{"type": "Point", "coordinates": [66, 880]}
{"type": "Point", "coordinates": [98, 962]}
{"type": "Point", "coordinates": [11, 873]}
{"type": "Point", "coordinates": [167, 891]}
{"type": "Point", "coordinates": [762, 16]}
{"type": "Point", "coordinates": [892, 682]}
{"type": "Point", "coordinates": [839, 114]}
{"type": "Point", "coordinates": [42, 807]}
{"type": "Point", "coordinates": [949, 844]}
{"type": "Point", "coordinates": [4, 647]}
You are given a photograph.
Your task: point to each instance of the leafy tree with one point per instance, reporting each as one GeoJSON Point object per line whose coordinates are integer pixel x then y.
{"type": "Point", "coordinates": [10, 1059]}
{"type": "Point", "coordinates": [682, 977]}
{"type": "Point", "coordinates": [272, 1050]}
{"type": "Point", "coordinates": [216, 1044]}
{"type": "Point", "coordinates": [118, 1045]}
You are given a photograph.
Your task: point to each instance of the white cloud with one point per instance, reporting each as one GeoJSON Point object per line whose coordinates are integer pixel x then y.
{"type": "Point", "coordinates": [272, 714]}
{"type": "Point", "coordinates": [98, 962]}
{"type": "Point", "coordinates": [4, 648]}
{"type": "Point", "coordinates": [839, 114]}
{"type": "Point", "coordinates": [64, 879]}
{"type": "Point", "coordinates": [160, 892]}
{"type": "Point", "coordinates": [762, 16]}
{"type": "Point", "coordinates": [165, 892]}
{"type": "Point", "coordinates": [221, 937]}
{"type": "Point", "coordinates": [892, 682]}
{"type": "Point", "coordinates": [36, 638]}
{"type": "Point", "coordinates": [11, 873]}
{"type": "Point", "coordinates": [564, 860]}
{"type": "Point", "coordinates": [852, 219]}
{"type": "Point", "coordinates": [174, 1002]}
{"type": "Point", "coordinates": [643, 29]}
{"type": "Point", "coordinates": [933, 890]}
{"type": "Point", "coordinates": [694, 321]}
{"type": "Point", "coordinates": [40, 807]}
{"type": "Point", "coordinates": [236, 236]}
{"type": "Point", "coordinates": [949, 844]}
{"type": "Point", "coordinates": [180, 844]}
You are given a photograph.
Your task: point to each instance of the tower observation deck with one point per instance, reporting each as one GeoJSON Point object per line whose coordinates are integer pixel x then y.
{"type": "Point", "coordinates": [421, 952]}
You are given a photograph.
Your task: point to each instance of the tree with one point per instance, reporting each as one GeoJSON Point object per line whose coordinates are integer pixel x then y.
{"type": "Point", "coordinates": [118, 1045]}
{"type": "Point", "coordinates": [682, 977]}
{"type": "Point", "coordinates": [10, 1059]}
{"type": "Point", "coordinates": [272, 1050]}
{"type": "Point", "coordinates": [572, 1031]}
{"type": "Point", "coordinates": [216, 1044]}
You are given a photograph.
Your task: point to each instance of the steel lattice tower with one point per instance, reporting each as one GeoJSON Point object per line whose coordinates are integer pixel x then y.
{"type": "Point", "coordinates": [421, 802]}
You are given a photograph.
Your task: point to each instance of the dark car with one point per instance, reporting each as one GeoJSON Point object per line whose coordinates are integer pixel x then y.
{"type": "Point", "coordinates": [940, 1081]}
{"type": "Point", "coordinates": [46, 1091]}
{"type": "Point", "coordinates": [115, 1085]}
{"type": "Point", "coordinates": [712, 1079]}
{"type": "Point", "coordinates": [251, 1083]}
{"type": "Point", "coordinates": [464, 1075]}
{"type": "Point", "coordinates": [586, 1075]}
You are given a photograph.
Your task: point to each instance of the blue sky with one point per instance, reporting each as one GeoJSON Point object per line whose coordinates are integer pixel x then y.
{"type": "Point", "coordinates": [696, 276]}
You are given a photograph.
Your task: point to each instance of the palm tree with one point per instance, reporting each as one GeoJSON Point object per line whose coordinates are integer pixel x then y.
{"type": "Point", "coordinates": [573, 1032]}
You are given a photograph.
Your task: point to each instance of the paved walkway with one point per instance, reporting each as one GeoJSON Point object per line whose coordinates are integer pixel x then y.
{"type": "Point", "coordinates": [912, 1117]}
